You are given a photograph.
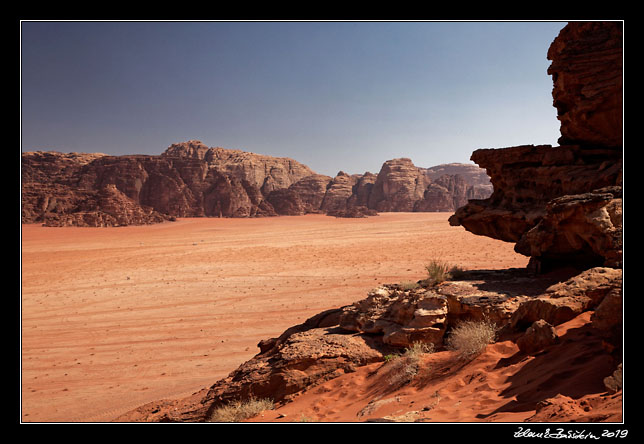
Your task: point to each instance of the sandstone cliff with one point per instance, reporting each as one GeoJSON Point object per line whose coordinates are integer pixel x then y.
{"type": "Point", "coordinates": [192, 180]}
{"type": "Point", "coordinates": [528, 205]}
{"type": "Point", "coordinates": [188, 180]}
{"type": "Point", "coordinates": [398, 186]}
{"type": "Point", "coordinates": [586, 72]}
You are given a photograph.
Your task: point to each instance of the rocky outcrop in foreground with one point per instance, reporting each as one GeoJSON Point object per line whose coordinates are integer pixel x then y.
{"type": "Point", "coordinates": [391, 318]}
{"type": "Point", "coordinates": [192, 180]}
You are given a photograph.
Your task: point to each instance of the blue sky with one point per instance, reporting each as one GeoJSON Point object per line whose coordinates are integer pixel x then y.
{"type": "Point", "coordinates": [332, 95]}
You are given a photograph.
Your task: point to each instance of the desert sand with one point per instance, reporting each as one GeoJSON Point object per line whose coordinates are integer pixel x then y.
{"type": "Point", "coordinates": [501, 385]}
{"type": "Point", "coordinates": [113, 318]}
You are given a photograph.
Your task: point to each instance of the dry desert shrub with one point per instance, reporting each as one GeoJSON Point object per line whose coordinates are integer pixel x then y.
{"type": "Point", "coordinates": [470, 338]}
{"type": "Point", "coordinates": [239, 410]}
{"type": "Point", "coordinates": [404, 367]}
{"type": "Point", "coordinates": [408, 285]}
{"type": "Point", "coordinates": [439, 271]}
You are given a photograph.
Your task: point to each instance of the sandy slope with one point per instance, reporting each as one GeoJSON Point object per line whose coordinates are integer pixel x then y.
{"type": "Point", "coordinates": [113, 318]}
{"type": "Point", "coordinates": [500, 385]}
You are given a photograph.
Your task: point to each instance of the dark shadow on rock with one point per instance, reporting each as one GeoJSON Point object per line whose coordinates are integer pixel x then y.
{"type": "Point", "coordinates": [516, 281]}
{"type": "Point", "coordinates": [575, 367]}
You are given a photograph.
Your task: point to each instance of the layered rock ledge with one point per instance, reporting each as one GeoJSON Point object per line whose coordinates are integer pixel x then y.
{"type": "Point", "coordinates": [527, 180]}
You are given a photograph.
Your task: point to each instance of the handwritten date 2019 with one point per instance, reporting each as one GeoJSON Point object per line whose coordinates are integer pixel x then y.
{"type": "Point", "coordinates": [561, 433]}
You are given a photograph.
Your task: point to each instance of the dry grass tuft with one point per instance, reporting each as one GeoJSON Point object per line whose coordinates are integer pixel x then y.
{"type": "Point", "coordinates": [439, 271]}
{"type": "Point", "coordinates": [239, 410]}
{"type": "Point", "coordinates": [408, 285]}
{"type": "Point", "coordinates": [405, 367]}
{"type": "Point", "coordinates": [470, 338]}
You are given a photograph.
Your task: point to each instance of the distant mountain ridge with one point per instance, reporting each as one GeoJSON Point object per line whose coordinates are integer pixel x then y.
{"type": "Point", "coordinates": [190, 179]}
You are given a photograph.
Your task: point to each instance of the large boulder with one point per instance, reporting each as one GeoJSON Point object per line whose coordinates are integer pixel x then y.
{"type": "Point", "coordinates": [537, 337]}
{"type": "Point", "coordinates": [581, 228]}
{"type": "Point", "coordinates": [563, 301]}
{"type": "Point", "coordinates": [401, 316]}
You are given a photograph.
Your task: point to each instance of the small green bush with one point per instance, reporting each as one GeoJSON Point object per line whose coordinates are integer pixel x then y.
{"type": "Point", "coordinates": [391, 357]}
{"type": "Point", "coordinates": [470, 338]}
{"type": "Point", "coordinates": [239, 410]}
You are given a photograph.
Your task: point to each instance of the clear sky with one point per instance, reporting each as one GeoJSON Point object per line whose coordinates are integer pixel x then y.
{"type": "Point", "coordinates": [332, 95]}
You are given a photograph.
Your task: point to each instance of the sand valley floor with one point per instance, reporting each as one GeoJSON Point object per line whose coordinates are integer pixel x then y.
{"type": "Point", "coordinates": [113, 318]}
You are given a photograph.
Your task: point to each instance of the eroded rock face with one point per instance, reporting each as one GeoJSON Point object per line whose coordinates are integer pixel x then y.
{"type": "Point", "coordinates": [302, 356]}
{"type": "Point", "coordinates": [362, 190]}
{"type": "Point", "coordinates": [586, 71]}
{"type": "Point", "coordinates": [302, 360]}
{"type": "Point", "coordinates": [557, 188]}
{"type": "Point", "coordinates": [580, 228]}
{"type": "Point", "coordinates": [400, 184]}
{"type": "Point", "coordinates": [192, 180]}
{"type": "Point", "coordinates": [56, 192]}
{"type": "Point", "coordinates": [401, 316]}
{"type": "Point", "coordinates": [257, 169]}
{"type": "Point", "coordinates": [563, 301]}
{"type": "Point", "coordinates": [338, 192]}
{"type": "Point", "coordinates": [526, 178]}
{"type": "Point", "coordinates": [311, 191]}
{"type": "Point", "coordinates": [107, 208]}
{"type": "Point", "coordinates": [46, 180]}
{"type": "Point", "coordinates": [188, 180]}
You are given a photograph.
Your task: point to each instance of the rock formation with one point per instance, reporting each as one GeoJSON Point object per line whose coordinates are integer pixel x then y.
{"type": "Point", "coordinates": [400, 184]}
{"type": "Point", "coordinates": [192, 180]}
{"type": "Point", "coordinates": [526, 178]}
{"type": "Point", "coordinates": [401, 316]}
{"type": "Point", "coordinates": [586, 71]}
{"type": "Point", "coordinates": [187, 180]}
{"type": "Point", "coordinates": [581, 228]}
{"type": "Point", "coordinates": [106, 208]}
{"type": "Point", "coordinates": [562, 205]}
{"type": "Point", "coordinates": [338, 192]}
{"type": "Point", "coordinates": [537, 337]}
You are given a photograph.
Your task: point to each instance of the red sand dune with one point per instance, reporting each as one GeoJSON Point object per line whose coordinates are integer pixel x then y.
{"type": "Point", "coordinates": [113, 318]}
{"type": "Point", "coordinates": [500, 385]}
